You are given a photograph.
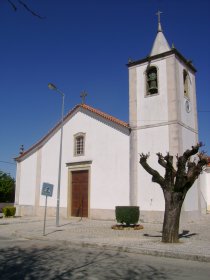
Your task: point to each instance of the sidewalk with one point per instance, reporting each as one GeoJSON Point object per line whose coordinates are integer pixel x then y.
{"type": "Point", "coordinates": [194, 243]}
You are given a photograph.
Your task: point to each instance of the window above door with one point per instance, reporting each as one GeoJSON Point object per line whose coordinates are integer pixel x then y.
{"type": "Point", "coordinates": [79, 144]}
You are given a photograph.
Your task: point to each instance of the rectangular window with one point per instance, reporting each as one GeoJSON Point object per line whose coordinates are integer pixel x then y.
{"type": "Point", "coordinates": [79, 144]}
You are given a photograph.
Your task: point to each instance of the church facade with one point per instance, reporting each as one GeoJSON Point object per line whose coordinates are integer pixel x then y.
{"type": "Point", "coordinates": [100, 154]}
{"type": "Point", "coordinates": [94, 167]}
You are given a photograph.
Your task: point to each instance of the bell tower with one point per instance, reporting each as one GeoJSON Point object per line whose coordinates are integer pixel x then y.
{"type": "Point", "coordinates": [162, 117]}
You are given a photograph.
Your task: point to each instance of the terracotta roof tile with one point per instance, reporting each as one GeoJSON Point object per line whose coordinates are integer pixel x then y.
{"type": "Point", "coordinates": [104, 115]}
{"type": "Point", "coordinates": [84, 106]}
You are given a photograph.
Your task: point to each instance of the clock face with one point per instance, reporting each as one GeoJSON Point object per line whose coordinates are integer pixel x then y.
{"type": "Point", "coordinates": [187, 106]}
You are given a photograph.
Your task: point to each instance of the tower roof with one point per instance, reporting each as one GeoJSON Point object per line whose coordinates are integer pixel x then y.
{"type": "Point", "coordinates": [161, 49]}
{"type": "Point", "coordinates": [160, 44]}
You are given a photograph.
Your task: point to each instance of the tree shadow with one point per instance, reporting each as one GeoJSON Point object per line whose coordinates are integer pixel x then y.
{"type": "Point", "coordinates": [184, 234]}
{"type": "Point", "coordinates": [148, 273]}
{"type": "Point", "coordinates": [41, 261]}
{"type": "Point", "coordinates": [150, 235]}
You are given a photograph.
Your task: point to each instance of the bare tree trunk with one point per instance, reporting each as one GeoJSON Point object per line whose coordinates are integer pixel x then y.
{"type": "Point", "coordinates": [173, 205]}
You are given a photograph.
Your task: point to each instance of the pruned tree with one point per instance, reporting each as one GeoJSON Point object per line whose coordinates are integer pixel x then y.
{"type": "Point", "coordinates": [175, 184]}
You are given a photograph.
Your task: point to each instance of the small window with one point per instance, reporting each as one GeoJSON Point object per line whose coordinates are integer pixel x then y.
{"type": "Point", "coordinates": [79, 144]}
{"type": "Point", "coordinates": [152, 81]}
{"type": "Point", "coordinates": [186, 84]}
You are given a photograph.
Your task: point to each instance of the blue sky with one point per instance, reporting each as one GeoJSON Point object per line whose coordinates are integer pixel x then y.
{"type": "Point", "coordinates": [85, 45]}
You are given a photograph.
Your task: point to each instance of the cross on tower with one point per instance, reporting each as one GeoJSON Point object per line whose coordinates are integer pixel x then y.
{"type": "Point", "coordinates": [158, 14]}
{"type": "Point", "coordinates": [159, 24]}
{"type": "Point", "coordinates": [83, 96]}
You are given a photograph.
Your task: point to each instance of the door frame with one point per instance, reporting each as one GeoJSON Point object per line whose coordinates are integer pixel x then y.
{"type": "Point", "coordinates": [77, 166]}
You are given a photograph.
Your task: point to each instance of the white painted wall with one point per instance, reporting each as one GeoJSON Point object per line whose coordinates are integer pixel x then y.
{"type": "Point", "coordinates": [28, 180]}
{"type": "Point", "coordinates": [151, 140]}
{"type": "Point", "coordinates": [190, 119]}
{"type": "Point", "coordinates": [108, 149]}
{"type": "Point", "coordinates": [49, 168]}
{"type": "Point", "coordinates": [205, 187]}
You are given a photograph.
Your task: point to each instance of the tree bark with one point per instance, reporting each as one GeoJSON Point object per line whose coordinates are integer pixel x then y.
{"type": "Point", "coordinates": [173, 206]}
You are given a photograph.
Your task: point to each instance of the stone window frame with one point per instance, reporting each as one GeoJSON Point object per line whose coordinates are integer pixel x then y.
{"type": "Point", "coordinates": [147, 93]}
{"type": "Point", "coordinates": [79, 151]}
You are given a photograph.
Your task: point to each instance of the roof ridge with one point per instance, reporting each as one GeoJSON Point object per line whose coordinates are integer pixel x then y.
{"type": "Point", "coordinates": [105, 115]}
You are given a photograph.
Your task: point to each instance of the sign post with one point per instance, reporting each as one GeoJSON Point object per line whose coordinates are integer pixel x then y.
{"type": "Point", "coordinates": [47, 190]}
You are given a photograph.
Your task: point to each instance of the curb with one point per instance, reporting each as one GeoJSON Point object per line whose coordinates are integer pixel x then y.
{"type": "Point", "coordinates": [141, 251]}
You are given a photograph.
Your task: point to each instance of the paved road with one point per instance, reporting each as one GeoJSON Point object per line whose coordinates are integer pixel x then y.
{"type": "Point", "coordinates": [30, 259]}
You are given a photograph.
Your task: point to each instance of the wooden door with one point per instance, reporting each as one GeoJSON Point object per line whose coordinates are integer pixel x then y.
{"type": "Point", "coordinates": [79, 197]}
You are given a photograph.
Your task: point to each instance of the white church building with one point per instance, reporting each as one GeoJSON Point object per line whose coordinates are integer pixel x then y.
{"type": "Point", "coordinates": [100, 154]}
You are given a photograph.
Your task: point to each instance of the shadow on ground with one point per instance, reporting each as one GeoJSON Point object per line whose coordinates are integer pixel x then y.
{"type": "Point", "coordinates": [184, 234]}
{"type": "Point", "coordinates": [40, 261]}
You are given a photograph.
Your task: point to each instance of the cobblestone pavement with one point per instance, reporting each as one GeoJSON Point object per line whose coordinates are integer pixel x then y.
{"type": "Point", "coordinates": [194, 237]}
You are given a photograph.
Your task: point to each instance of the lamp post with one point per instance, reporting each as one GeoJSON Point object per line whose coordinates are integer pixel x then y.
{"type": "Point", "coordinates": [53, 87]}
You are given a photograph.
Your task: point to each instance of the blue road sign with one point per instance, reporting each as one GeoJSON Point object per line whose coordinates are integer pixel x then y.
{"type": "Point", "coordinates": [47, 189]}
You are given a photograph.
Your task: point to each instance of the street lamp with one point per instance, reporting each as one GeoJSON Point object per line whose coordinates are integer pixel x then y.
{"type": "Point", "coordinates": [53, 87]}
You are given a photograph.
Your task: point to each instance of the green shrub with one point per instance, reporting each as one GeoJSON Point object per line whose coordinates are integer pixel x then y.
{"type": "Point", "coordinates": [9, 211]}
{"type": "Point", "coordinates": [127, 214]}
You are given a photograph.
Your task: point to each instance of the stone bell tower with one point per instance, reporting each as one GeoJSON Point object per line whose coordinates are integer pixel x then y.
{"type": "Point", "coordinates": [163, 118]}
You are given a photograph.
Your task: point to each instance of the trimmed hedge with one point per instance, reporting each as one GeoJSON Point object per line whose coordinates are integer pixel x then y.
{"type": "Point", "coordinates": [128, 215]}
{"type": "Point", "coordinates": [9, 211]}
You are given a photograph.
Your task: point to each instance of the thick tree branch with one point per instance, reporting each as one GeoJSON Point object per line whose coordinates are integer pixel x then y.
{"type": "Point", "coordinates": [194, 169]}
{"type": "Point", "coordinates": [169, 165]}
{"type": "Point", "coordinates": [181, 177]}
{"type": "Point", "coordinates": [156, 177]}
{"type": "Point", "coordinates": [161, 160]}
{"type": "Point", "coordinates": [190, 166]}
{"type": "Point", "coordinates": [170, 172]}
{"type": "Point", "coordinates": [188, 153]}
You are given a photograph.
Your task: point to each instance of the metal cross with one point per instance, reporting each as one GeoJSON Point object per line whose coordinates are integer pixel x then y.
{"type": "Point", "coordinates": [83, 96]}
{"type": "Point", "coordinates": [158, 14]}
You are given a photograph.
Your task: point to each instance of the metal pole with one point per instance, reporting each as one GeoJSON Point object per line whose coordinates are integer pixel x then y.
{"type": "Point", "coordinates": [60, 159]}
{"type": "Point", "coordinates": [45, 214]}
{"type": "Point", "coordinates": [53, 87]}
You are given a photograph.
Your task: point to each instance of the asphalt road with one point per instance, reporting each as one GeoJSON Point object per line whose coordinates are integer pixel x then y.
{"type": "Point", "coordinates": [31, 259]}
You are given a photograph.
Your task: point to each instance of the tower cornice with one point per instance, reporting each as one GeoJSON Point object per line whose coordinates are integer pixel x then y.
{"type": "Point", "coordinates": [161, 55]}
